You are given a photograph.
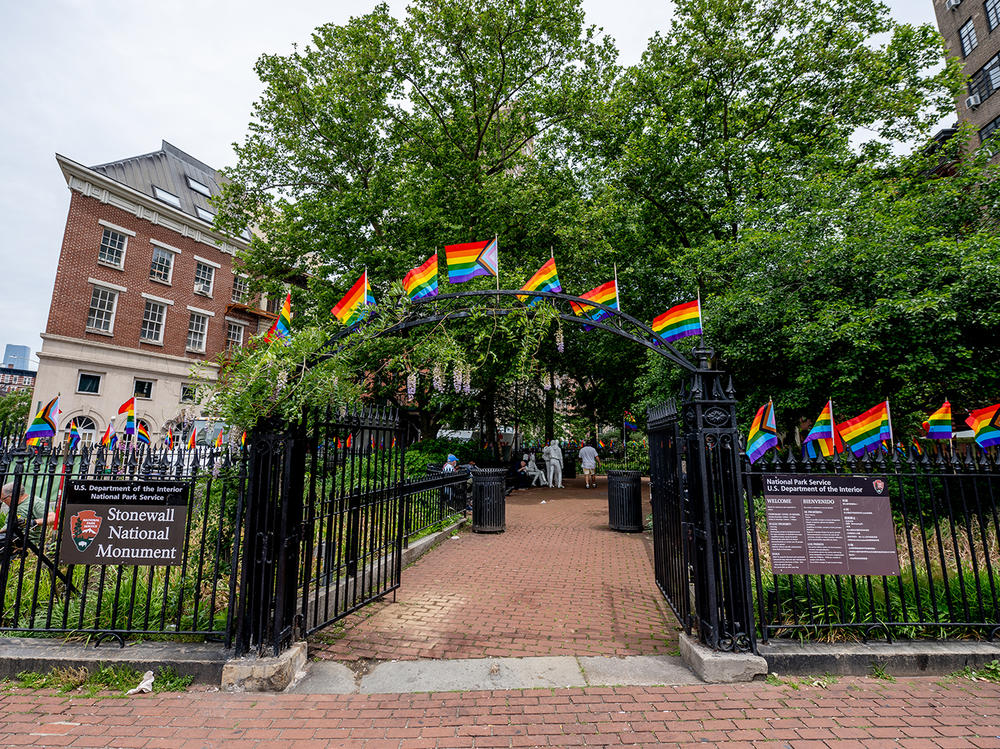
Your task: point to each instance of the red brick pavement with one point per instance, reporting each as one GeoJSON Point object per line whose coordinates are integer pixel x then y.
{"type": "Point", "coordinates": [913, 713]}
{"type": "Point", "coordinates": [557, 582]}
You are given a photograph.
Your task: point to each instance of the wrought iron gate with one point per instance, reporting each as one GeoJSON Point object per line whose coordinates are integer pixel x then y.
{"type": "Point", "coordinates": [699, 519]}
{"type": "Point", "coordinates": [324, 526]}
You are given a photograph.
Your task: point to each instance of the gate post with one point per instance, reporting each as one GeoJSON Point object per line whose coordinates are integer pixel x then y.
{"type": "Point", "coordinates": [720, 558]}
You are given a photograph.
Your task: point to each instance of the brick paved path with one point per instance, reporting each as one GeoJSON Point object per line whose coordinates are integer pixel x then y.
{"type": "Point", "coordinates": [913, 713]}
{"type": "Point", "coordinates": [557, 582]}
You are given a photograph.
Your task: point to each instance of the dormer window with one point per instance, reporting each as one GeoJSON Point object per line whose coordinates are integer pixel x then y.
{"type": "Point", "coordinates": [166, 197]}
{"type": "Point", "coordinates": [204, 214]}
{"type": "Point", "coordinates": [199, 187]}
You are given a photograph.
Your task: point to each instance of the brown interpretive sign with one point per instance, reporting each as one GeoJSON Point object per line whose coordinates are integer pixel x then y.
{"type": "Point", "coordinates": [821, 524]}
{"type": "Point", "coordinates": [124, 522]}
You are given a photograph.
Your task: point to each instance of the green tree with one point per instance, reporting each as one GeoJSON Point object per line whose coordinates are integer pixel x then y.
{"type": "Point", "coordinates": [15, 407]}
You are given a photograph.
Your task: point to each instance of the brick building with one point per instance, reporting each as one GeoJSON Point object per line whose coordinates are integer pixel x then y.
{"type": "Point", "coordinates": [970, 29]}
{"type": "Point", "coordinates": [13, 379]}
{"type": "Point", "coordinates": [145, 290]}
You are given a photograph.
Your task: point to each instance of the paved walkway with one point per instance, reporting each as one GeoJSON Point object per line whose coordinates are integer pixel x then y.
{"type": "Point", "coordinates": [913, 713]}
{"type": "Point", "coordinates": [557, 582]}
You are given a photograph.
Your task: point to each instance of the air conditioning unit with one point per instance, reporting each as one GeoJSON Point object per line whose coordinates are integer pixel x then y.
{"type": "Point", "coordinates": [972, 102]}
{"type": "Point", "coordinates": [204, 288]}
{"type": "Point", "coordinates": [952, 4]}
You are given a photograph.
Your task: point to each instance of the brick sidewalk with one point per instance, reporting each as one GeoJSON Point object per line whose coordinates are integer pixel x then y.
{"type": "Point", "coordinates": [914, 713]}
{"type": "Point", "coordinates": [557, 582]}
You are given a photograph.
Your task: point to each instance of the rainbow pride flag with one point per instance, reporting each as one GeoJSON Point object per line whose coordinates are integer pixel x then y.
{"type": "Point", "coordinates": [938, 424]}
{"type": "Point", "coordinates": [917, 447]}
{"type": "Point", "coordinates": [763, 432]}
{"type": "Point", "coordinates": [110, 438]}
{"type": "Point", "coordinates": [865, 432]}
{"type": "Point", "coordinates": [74, 435]}
{"type": "Point", "coordinates": [191, 440]}
{"type": "Point", "coordinates": [282, 327]}
{"type": "Point", "coordinates": [824, 433]}
{"type": "Point", "coordinates": [218, 440]}
{"type": "Point", "coordinates": [422, 282]}
{"type": "Point", "coordinates": [471, 259]}
{"type": "Point", "coordinates": [629, 420]}
{"type": "Point", "coordinates": [351, 309]}
{"type": "Point", "coordinates": [545, 279]}
{"type": "Point", "coordinates": [985, 422]}
{"type": "Point", "coordinates": [141, 433]}
{"type": "Point", "coordinates": [606, 294]}
{"type": "Point", "coordinates": [679, 322]}
{"type": "Point", "coordinates": [243, 439]}
{"type": "Point", "coordinates": [128, 408]}
{"type": "Point", "coordinates": [169, 439]}
{"type": "Point", "coordinates": [44, 424]}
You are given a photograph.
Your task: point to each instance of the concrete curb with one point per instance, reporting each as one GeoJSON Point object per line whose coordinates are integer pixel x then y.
{"type": "Point", "coordinates": [717, 667]}
{"type": "Point", "coordinates": [896, 658]}
{"type": "Point", "coordinates": [418, 548]}
{"type": "Point", "coordinates": [273, 674]}
{"type": "Point", "coordinates": [203, 661]}
{"type": "Point", "coordinates": [487, 674]}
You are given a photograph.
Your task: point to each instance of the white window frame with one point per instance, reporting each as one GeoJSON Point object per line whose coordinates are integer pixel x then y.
{"type": "Point", "coordinates": [194, 392]}
{"type": "Point", "coordinates": [152, 385]}
{"type": "Point", "coordinates": [100, 381]}
{"type": "Point", "coordinates": [162, 304]}
{"type": "Point", "coordinates": [212, 268]}
{"type": "Point", "coordinates": [126, 233]}
{"type": "Point", "coordinates": [111, 289]}
{"type": "Point", "coordinates": [204, 332]}
{"type": "Point", "coordinates": [204, 214]}
{"type": "Point", "coordinates": [238, 277]}
{"type": "Point", "coordinates": [242, 325]}
{"type": "Point", "coordinates": [197, 186]}
{"type": "Point", "coordinates": [159, 193]}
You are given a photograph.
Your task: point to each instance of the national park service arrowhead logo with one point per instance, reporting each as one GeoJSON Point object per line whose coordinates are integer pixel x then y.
{"type": "Point", "coordinates": [84, 527]}
{"type": "Point", "coordinates": [879, 486]}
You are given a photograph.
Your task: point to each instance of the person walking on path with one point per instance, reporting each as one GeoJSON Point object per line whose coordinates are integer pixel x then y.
{"type": "Point", "coordinates": [590, 460]}
{"type": "Point", "coordinates": [553, 464]}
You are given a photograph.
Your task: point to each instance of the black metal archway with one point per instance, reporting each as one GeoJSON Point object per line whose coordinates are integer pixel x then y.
{"type": "Point", "coordinates": [465, 304]}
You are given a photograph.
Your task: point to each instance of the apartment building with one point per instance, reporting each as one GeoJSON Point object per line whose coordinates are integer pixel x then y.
{"type": "Point", "coordinates": [146, 291]}
{"type": "Point", "coordinates": [970, 29]}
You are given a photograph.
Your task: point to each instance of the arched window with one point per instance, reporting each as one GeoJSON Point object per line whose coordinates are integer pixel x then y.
{"type": "Point", "coordinates": [87, 428]}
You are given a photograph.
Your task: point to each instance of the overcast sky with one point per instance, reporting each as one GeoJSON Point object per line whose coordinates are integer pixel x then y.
{"type": "Point", "coordinates": [99, 80]}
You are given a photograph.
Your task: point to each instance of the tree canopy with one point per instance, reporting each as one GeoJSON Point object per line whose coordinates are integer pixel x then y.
{"type": "Point", "coordinates": [768, 155]}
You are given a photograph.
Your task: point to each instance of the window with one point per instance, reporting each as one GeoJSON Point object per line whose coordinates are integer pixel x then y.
{"type": "Point", "coordinates": [988, 129]}
{"type": "Point", "coordinates": [188, 393]}
{"type": "Point", "coordinates": [274, 305]}
{"type": "Point", "coordinates": [152, 322]}
{"type": "Point", "coordinates": [986, 80]}
{"type": "Point", "coordinates": [240, 288]}
{"type": "Point", "coordinates": [88, 383]}
{"type": "Point", "coordinates": [197, 329]}
{"type": "Point", "coordinates": [101, 316]}
{"type": "Point", "coordinates": [85, 426]}
{"type": "Point", "coordinates": [204, 278]}
{"type": "Point", "coordinates": [162, 266]}
{"type": "Point", "coordinates": [967, 36]}
{"type": "Point", "coordinates": [234, 334]}
{"type": "Point", "coordinates": [143, 389]}
{"type": "Point", "coordinates": [199, 187]}
{"type": "Point", "coordinates": [112, 250]}
{"type": "Point", "coordinates": [992, 13]}
{"type": "Point", "coordinates": [204, 214]}
{"type": "Point", "coordinates": [166, 197]}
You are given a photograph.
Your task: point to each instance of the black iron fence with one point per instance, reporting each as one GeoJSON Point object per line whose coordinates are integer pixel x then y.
{"type": "Point", "coordinates": [45, 593]}
{"type": "Point", "coordinates": [945, 521]}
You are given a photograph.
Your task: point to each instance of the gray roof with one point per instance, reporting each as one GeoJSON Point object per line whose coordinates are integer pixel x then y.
{"type": "Point", "coordinates": [169, 170]}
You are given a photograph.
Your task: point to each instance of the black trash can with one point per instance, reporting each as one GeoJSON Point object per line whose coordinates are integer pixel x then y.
{"type": "Point", "coordinates": [489, 501]}
{"type": "Point", "coordinates": [569, 464]}
{"type": "Point", "coordinates": [625, 501]}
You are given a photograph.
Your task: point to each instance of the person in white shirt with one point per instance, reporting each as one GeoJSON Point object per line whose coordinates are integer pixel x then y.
{"type": "Point", "coordinates": [590, 460]}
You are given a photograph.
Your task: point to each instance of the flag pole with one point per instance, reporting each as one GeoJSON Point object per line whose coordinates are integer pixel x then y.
{"type": "Point", "coordinates": [888, 416]}
{"type": "Point", "coordinates": [618, 301]}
